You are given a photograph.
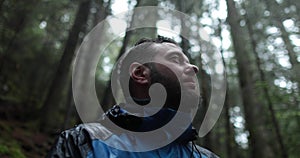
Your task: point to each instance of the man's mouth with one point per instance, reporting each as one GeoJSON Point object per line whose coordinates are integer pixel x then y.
{"type": "Point", "coordinates": [189, 80]}
{"type": "Point", "coordinates": [189, 83]}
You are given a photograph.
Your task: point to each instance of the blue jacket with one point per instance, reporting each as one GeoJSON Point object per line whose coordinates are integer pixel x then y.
{"type": "Point", "coordinates": [91, 141]}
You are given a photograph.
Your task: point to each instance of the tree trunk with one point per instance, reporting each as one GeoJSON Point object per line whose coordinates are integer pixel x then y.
{"type": "Point", "coordinates": [279, 139]}
{"type": "Point", "coordinates": [228, 129]}
{"type": "Point", "coordinates": [103, 10]}
{"type": "Point", "coordinates": [17, 24]}
{"type": "Point", "coordinates": [69, 110]}
{"type": "Point", "coordinates": [55, 96]}
{"type": "Point", "coordinates": [229, 137]}
{"type": "Point", "coordinates": [108, 99]}
{"type": "Point", "coordinates": [253, 108]}
{"type": "Point", "coordinates": [1, 3]}
{"type": "Point", "coordinates": [204, 93]}
{"type": "Point", "coordinates": [185, 30]}
{"type": "Point", "coordinates": [278, 19]}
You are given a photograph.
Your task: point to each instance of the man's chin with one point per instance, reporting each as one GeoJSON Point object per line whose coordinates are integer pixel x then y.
{"type": "Point", "coordinates": [190, 96]}
{"type": "Point", "coordinates": [191, 89]}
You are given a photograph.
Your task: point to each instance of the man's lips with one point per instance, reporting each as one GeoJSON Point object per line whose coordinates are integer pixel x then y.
{"type": "Point", "coordinates": [189, 83]}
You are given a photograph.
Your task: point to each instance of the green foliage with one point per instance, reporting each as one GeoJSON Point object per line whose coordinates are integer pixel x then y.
{"type": "Point", "coordinates": [8, 146]}
{"type": "Point", "coordinates": [31, 44]}
{"type": "Point", "coordinates": [13, 152]}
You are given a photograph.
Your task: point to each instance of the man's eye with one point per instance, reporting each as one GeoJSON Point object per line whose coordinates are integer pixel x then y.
{"type": "Point", "coordinates": [176, 59]}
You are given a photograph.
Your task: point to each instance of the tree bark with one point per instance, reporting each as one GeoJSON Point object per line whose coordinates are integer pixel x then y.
{"type": "Point", "coordinates": [54, 98]}
{"type": "Point", "coordinates": [108, 99]}
{"type": "Point", "coordinates": [17, 24]}
{"type": "Point", "coordinates": [204, 93]}
{"type": "Point", "coordinates": [69, 110]}
{"type": "Point", "coordinates": [253, 107]}
{"type": "Point", "coordinates": [1, 4]}
{"type": "Point", "coordinates": [228, 129]}
{"type": "Point", "coordinates": [279, 138]}
{"type": "Point", "coordinates": [278, 19]}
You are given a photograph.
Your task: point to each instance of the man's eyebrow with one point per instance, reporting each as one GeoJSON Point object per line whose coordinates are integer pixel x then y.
{"type": "Point", "coordinates": [175, 53]}
{"type": "Point", "coordinates": [179, 54]}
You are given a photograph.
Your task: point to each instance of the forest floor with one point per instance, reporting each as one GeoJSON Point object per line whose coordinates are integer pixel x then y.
{"type": "Point", "coordinates": [20, 135]}
{"type": "Point", "coordinates": [21, 140]}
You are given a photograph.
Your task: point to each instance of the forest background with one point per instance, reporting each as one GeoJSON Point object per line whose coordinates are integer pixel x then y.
{"type": "Point", "coordinates": [259, 41]}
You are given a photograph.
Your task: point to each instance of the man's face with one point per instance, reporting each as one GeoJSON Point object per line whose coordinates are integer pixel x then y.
{"type": "Point", "coordinates": [170, 56]}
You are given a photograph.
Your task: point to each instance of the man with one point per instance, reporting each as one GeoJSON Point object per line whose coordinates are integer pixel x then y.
{"type": "Point", "coordinates": [124, 130]}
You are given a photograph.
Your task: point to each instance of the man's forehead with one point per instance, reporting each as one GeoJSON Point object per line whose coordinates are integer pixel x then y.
{"type": "Point", "coordinates": [170, 45]}
{"type": "Point", "coordinates": [164, 47]}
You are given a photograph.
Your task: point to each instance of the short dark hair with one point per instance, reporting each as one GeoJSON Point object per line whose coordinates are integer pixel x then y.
{"type": "Point", "coordinates": [159, 39]}
{"type": "Point", "coordinates": [141, 52]}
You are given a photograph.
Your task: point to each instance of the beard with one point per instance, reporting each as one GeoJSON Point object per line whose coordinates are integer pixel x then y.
{"type": "Point", "coordinates": [176, 94]}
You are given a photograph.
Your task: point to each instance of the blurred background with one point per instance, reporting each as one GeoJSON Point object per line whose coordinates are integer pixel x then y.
{"type": "Point", "coordinates": [259, 41]}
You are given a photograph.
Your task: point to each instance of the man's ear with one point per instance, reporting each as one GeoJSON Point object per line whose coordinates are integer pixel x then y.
{"type": "Point", "coordinates": [139, 73]}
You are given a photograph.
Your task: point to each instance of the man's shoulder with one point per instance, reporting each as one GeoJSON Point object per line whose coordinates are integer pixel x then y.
{"type": "Point", "coordinates": [76, 142]}
{"type": "Point", "coordinates": [97, 130]}
{"type": "Point", "coordinates": [93, 130]}
{"type": "Point", "coordinates": [206, 152]}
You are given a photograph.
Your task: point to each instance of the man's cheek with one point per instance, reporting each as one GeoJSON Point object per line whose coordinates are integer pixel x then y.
{"type": "Point", "coordinates": [166, 70]}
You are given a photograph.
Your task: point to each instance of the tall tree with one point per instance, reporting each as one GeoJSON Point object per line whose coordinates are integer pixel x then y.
{"type": "Point", "coordinates": [229, 137]}
{"type": "Point", "coordinates": [277, 19]}
{"type": "Point", "coordinates": [253, 107]}
{"type": "Point", "coordinates": [108, 99]}
{"type": "Point", "coordinates": [62, 77]}
{"type": "Point", "coordinates": [262, 79]}
{"type": "Point", "coordinates": [13, 24]}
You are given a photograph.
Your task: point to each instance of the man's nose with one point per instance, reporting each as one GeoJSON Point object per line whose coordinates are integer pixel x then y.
{"type": "Point", "coordinates": [192, 69]}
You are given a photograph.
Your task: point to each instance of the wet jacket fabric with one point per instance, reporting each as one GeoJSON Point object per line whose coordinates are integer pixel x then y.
{"type": "Point", "coordinates": [91, 140]}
